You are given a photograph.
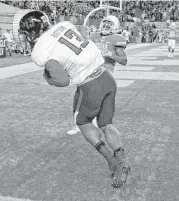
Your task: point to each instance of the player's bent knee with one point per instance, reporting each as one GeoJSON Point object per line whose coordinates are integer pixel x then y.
{"type": "Point", "coordinates": [91, 133]}
{"type": "Point", "coordinates": [110, 129]}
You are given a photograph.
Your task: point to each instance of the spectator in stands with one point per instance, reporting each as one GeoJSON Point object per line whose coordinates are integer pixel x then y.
{"type": "Point", "coordinates": [126, 33]}
{"type": "Point", "coordinates": [151, 10]}
{"type": "Point", "coordinates": [46, 8]}
{"type": "Point", "coordinates": [176, 14]}
{"type": "Point", "coordinates": [73, 19]}
{"type": "Point", "coordinates": [8, 41]}
{"type": "Point", "coordinates": [135, 34]}
{"type": "Point", "coordinates": [164, 14]}
{"type": "Point", "coordinates": [143, 15]}
{"type": "Point", "coordinates": [150, 36]}
{"type": "Point", "coordinates": [140, 35]}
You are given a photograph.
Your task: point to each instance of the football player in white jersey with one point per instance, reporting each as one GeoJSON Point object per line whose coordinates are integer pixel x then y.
{"type": "Point", "coordinates": [67, 58]}
{"type": "Point", "coordinates": [171, 39]}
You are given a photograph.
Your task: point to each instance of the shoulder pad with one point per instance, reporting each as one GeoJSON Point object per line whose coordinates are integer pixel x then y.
{"type": "Point", "coordinates": [116, 40]}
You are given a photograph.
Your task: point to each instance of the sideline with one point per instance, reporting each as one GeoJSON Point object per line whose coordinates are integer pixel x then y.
{"type": "Point", "coordinates": [20, 69]}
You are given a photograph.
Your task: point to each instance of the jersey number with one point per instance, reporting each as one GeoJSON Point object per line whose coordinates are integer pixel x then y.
{"type": "Point", "coordinates": [70, 34]}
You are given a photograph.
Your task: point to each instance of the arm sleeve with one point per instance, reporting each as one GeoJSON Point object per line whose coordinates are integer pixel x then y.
{"type": "Point", "coordinates": [120, 44]}
{"type": "Point", "coordinates": [57, 76]}
{"type": "Point", "coordinates": [121, 57]}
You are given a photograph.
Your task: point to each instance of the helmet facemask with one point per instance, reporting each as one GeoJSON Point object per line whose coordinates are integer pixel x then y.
{"type": "Point", "coordinates": [107, 27]}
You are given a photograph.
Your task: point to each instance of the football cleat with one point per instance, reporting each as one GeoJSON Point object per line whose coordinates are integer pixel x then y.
{"type": "Point", "coordinates": [121, 176]}
{"type": "Point", "coordinates": [73, 131]}
{"type": "Point", "coordinates": [122, 170]}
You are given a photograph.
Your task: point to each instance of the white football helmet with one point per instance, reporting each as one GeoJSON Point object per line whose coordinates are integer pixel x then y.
{"type": "Point", "coordinates": [109, 24]}
{"type": "Point", "coordinates": [173, 25]}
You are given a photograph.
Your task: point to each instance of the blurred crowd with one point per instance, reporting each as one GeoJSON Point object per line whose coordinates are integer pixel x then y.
{"type": "Point", "coordinates": [149, 33]}
{"type": "Point", "coordinates": [146, 10]}
{"type": "Point", "coordinates": [147, 13]}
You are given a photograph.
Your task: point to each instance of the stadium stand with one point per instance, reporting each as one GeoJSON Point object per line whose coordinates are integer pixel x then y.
{"type": "Point", "coordinates": [154, 11]}
{"type": "Point", "coordinates": [146, 20]}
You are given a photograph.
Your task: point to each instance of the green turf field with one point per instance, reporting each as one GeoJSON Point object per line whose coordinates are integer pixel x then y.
{"type": "Point", "coordinates": [38, 161]}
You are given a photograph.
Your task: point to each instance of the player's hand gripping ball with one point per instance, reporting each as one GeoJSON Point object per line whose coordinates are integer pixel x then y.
{"type": "Point", "coordinates": [46, 74]}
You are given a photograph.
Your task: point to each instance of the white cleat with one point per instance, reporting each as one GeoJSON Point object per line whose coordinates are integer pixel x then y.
{"type": "Point", "coordinates": [169, 54]}
{"type": "Point", "coordinates": [73, 131]}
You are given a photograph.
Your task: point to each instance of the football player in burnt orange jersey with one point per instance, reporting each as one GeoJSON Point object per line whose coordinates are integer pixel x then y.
{"type": "Point", "coordinates": [110, 42]}
{"type": "Point", "coordinates": [171, 39]}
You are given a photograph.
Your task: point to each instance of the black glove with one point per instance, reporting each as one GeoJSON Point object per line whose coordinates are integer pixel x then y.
{"type": "Point", "coordinates": [46, 73]}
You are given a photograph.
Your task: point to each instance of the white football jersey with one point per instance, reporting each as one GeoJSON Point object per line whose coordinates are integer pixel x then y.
{"type": "Point", "coordinates": [63, 43]}
{"type": "Point", "coordinates": [172, 34]}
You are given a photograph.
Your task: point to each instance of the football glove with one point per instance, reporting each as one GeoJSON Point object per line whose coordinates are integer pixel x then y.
{"type": "Point", "coordinates": [46, 74]}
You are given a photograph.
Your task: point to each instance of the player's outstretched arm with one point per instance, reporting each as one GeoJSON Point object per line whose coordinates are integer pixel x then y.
{"type": "Point", "coordinates": [55, 75]}
{"type": "Point", "coordinates": [120, 56]}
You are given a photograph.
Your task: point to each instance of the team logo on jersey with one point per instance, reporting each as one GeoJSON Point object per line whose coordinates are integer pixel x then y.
{"type": "Point", "coordinates": [104, 48]}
